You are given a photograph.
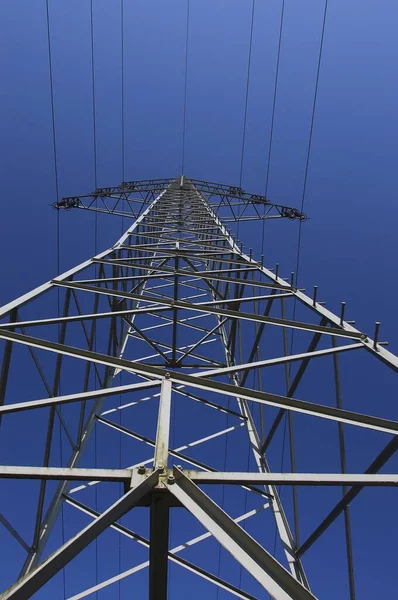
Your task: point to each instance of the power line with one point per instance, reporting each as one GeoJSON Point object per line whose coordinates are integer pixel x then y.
{"type": "Point", "coordinates": [185, 91]}
{"type": "Point", "coordinates": [54, 138]}
{"type": "Point", "coordinates": [247, 93]}
{"type": "Point", "coordinates": [275, 95]}
{"type": "Point", "coordinates": [94, 123]}
{"type": "Point", "coordinates": [273, 114]}
{"type": "Point", "coordinates": [122, 94]}
{"type": "Point", "coordinates": [307, 165]}
{"type": "Point", "coordinates": [95, 246]}
{"type": "Point", "coordinates": [223, 493]}
{"type": "Point", "coordinates": [311, 135]}
{"type": "Point", "coordinates": [279, 487]}
{"type": "Point", "coordinates": [52, 100]}
{"type": "Point", "coordinates": [246, 104]}
{"type": "Point", "coordinates": [93, 94]}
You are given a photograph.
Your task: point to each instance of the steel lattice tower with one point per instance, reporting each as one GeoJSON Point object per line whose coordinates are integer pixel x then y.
{"type": "Point", "coordinates": [200, 330]}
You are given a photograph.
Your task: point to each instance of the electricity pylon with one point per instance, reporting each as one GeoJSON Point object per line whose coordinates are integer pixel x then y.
{"type": "Point", "coordinates": [201, 329]}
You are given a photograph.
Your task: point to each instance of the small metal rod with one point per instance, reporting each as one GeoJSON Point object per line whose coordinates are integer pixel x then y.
{"type": "Point", "coordinates": [343, 304]}
{"type": "Point", "coordinates": [376, 335]}
{"type": "Point", "coordinates": [13, 532]}
{"type": "Point", "coordinates": [315, 295]}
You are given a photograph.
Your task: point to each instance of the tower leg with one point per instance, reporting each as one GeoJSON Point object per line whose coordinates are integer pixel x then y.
{"type": "Point", "coordinates": [159, 546]}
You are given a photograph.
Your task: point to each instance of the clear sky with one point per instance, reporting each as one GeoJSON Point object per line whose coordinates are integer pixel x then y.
{"type": "Point", "coordinates": [349, 244]}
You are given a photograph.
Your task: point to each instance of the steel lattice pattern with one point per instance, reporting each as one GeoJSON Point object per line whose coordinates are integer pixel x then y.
{"type": "Point", "coordinates": [201, 330]}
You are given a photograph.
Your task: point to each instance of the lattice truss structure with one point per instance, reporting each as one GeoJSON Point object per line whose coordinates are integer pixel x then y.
{"type": "Point", "coordinates": [167, 378]}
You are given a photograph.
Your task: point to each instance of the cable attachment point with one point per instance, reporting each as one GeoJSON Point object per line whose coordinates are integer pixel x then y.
{"type": "Point", "coordinates": [67, 203]}
{"type": "Point", "coordinates": [293, 213]}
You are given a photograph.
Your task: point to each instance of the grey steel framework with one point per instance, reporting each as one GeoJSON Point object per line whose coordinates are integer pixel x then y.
{"type": "Point", "coordinates": [178, 309]}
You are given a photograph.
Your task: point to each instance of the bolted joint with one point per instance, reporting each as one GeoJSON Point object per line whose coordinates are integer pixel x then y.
{"type": "Point", "coordinates": [171, 479]}
{"type": "Point", "coordinates": [141, 470]}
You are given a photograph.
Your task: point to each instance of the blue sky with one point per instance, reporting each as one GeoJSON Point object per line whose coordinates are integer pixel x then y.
{"type": "Point", "coordinates": [349, 243]}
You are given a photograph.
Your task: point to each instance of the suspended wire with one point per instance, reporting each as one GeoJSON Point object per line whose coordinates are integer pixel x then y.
{"type": "Point", "coordinates": [306, 179]}
{"type": "Point", "coordinates": [93, 94]}
{"type": "Point", "coordinates": [54, 139]}
{"type": "Point", "coordinates": [280, 487]}
{"type": "Point", "coordinates": [123, 179]}
{"type": "Point", "coordinates": [223, 491]}
{"type": "Point", "coordinates": [94, 123]}
{"type": "Point", "coordinates": [185, 91]}
{"type": "Point", "coordinates": [308, 161]}
{"type": "Point", "coordinates": [274, 98]}
{"type": "Point", "coordinates": [95, 247]}
{"type": "Point", "coordinates": [94, 126]}
{"type": "Point", "coordinates": [173, 444]}
{"type": "Point", "coordinates": [122, 103]}
{"type": "Point", "coordinates": [247, 93]}
{"type": "Point", "coordinates": [271, 137]}
{"type": "Point", "coordinates": [226, 437]}
{"type": "Point", "coordinates": [246, 105]}
{"type": "Point", "coordinates": [121, 485]}
{"type": "Point", "coordinates": [122, 95]}
{"type": "Point", "coordinates": [311, 135]}
{"type": "Point", "coordinates": [246, 491]}
{"type": "Point", "coordinates": [56, 179]}
{"type": "Point", "coordinates": [50, 62]}
{"type": "Point", "coordinates": [122, 223]}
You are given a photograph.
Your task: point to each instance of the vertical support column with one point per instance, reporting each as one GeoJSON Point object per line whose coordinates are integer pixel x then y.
{"type": "Point", "coordinates": [159, 519]}
{"type": "Point", "coordinates": [175, 310]}
{"type": "Point", "coordinates": [343, 466]}
{"type": "Point", "coordinates": [159, 546]}
{"type": "Point", "coordinates": [163, 428]}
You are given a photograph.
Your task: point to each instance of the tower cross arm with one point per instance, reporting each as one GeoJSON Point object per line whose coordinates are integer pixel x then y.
{"type": "Point", "coordinates": [117, 199]}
